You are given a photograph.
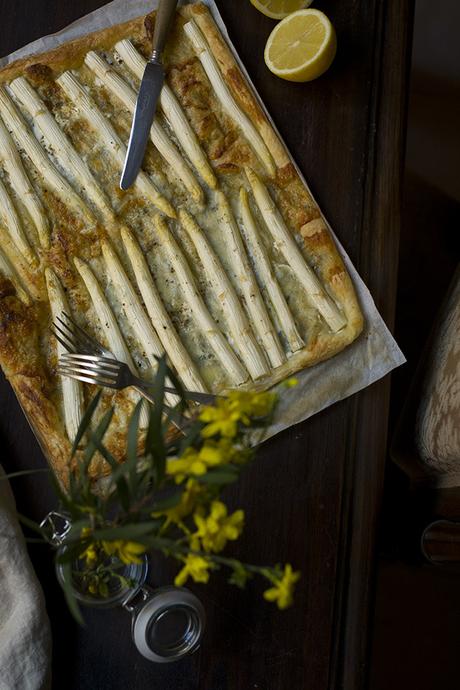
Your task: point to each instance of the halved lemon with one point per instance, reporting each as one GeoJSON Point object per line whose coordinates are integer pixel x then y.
{"type": "Point", "coordinates": [302, 46]}
{"type": "Point", "coordinates": [278, 9]}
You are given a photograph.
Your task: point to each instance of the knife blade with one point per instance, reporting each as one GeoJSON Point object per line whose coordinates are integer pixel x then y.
{"type": "Point", "coordinates": [149, 93]}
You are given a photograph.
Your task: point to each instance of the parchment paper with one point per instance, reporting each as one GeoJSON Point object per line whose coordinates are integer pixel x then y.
{"type": "Point", "coordinates": [373, 355]}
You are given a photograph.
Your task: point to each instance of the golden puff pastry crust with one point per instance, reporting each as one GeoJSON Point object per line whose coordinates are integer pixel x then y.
{"type": "Point", "coordinates": [219, 249]}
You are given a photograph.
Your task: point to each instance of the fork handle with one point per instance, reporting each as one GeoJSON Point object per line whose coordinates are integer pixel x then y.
{"type": "Point", "coordinates": [204, 398]}
{"type": "Point", "coordinates": [143, 392]}
{"type": "Point", "coordinates": [177, 419]}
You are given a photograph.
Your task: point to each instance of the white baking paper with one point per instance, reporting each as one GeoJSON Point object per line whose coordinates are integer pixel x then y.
{"type": "Point", "coordinates": [373, 355]}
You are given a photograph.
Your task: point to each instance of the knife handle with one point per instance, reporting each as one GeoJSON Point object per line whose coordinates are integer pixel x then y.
{"type": "Point", "coordinates": [163, 20]}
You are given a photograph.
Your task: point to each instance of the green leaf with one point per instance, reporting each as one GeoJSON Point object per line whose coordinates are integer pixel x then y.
{"type": "Point", "coordinates": [103, 589]}
{"type": "Point", "coordinates": [193, 434]}
{"type": "Point", "coordinates": [133, 433]}
{"type": "Point", "coordinates": [121, 469]}
{"type": "Point", "coordinates": [69, 593]}
{"type": "Point", "coordinates": [96, 439]}
{"type": "Point", "coordinates": [72, 552]}
{"type": "Point", "coordinates": [155, 440]}
{"type": "Point", "coordinates": [131, 448]}
{"type": "Point", "coordinates": [227, 467]}
{"type": "Point", "coordinates": [12, 475]}
{"type": "Point", "coordinates": [61, 494]}
{"type": "Point", "coordinates": [127, 532]}
{"type": "Point", "coordinates": [74, 534]}
{"type": "Point", "coordinates": [177, 384]}
{"type": "Point", "coordinates": [218, 477]}
{"type": "Point", "coordinates": [86, 419]}
{"type": "Point", "coordinates": [239, 576]}
{"type": "Point", "coordinates": [121, 484]}
{"type": "Point", "coordinates": [31, 524]}
{"type": "Point", "coordinates": [168, 502]}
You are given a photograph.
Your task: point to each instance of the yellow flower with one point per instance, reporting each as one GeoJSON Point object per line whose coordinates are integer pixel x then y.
{"type": "Point", "coordinates": [232, 452]}
{"type": "Point", "coordinates": [196, 567]}
{"type": "Point", "coordinates": [250, 404]}
{"type": "Point", "coordinates": [186, 505]}
{"type": "Point", "coordinates": [127, 551]}
{"type": "Point", "coordinates": [283, 589]}
{"type": "Point", "coordinates": [90, 555]}
{"type": "Point", "coordinates": [218, 527]}
{"type": "Point", "coordinates": [93, 588]}
{"type": "Point", "coordinates": [290, 383]}
{"type": "Point", "coordinates": [221, 419]}
{"type": "Point", "coordinates": [238, 406]}
{"type": "Point", "coordinates": [195, 462]}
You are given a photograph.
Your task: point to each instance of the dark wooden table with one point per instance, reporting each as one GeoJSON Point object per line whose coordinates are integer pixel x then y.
{"type": "Point", "coordinates": [313, 498]}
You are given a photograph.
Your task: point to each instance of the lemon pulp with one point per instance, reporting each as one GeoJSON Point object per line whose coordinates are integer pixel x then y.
{"type": "Point", "coordinates": [302, 46]}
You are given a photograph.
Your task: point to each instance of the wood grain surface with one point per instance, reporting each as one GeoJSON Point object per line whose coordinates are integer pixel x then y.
{"type": "Point", "coordinates": [313, 497]}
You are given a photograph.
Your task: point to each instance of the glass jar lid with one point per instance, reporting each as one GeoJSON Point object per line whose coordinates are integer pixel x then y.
{"type": "Point", "coordinates": [168, 625]}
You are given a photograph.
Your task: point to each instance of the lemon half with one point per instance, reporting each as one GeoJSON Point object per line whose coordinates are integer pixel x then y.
{"type": "Point", "coordinates": [278, 9]}
{"type": "Point", "coordinates": [302, 46]}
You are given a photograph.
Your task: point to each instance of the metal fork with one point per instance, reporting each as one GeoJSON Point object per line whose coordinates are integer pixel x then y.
{"type": "Point", "coordinates": [111, 373]}
{"type": "Point", "coordinates": [88, 361]}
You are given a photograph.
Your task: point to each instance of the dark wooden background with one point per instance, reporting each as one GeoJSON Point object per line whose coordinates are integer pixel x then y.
{"type": "Point", "coordinates": [313, 497]}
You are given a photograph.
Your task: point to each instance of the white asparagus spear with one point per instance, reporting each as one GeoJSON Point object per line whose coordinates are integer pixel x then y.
{"type": "Point", "coordinates": [267, 276]}
{"type": "Point", "coordinates": [174, 114]}
{"type": "Point", "coordinates": [22, 186]}
{"type": "Point", "coordinates": [246, 284]}
{"type": "Point", "coordinates": [60, 145]}
{"type": "Point", "coordinates": [49, 175]}
{"type": "Point", "coordinates": [12, 221]}
{"type": "Point", "coordinates": [9, 271]}
{"type": "Point", "coordinates": [90, 111]}
{"type": "Point", "coordinates": [236, 319]}
{"type": "Point", "coordinates": [198, 310]}
{"type": "Point", "coordinates": [286, 244]}
{"type": "Point", "coordinates": [134, 311]}
{"type": "Point", "coordinates": [160, 318]}
{"type": "Point", "coordinates": [225, 97]}
{"type": "Point", "coordinates": [109, 324]}
{"type": "Point", "coordinates": [120, 89]}
{"type": "Point", "coordinates": [72, 391]}
{"type": "Point", "coordinates": [21, 265]}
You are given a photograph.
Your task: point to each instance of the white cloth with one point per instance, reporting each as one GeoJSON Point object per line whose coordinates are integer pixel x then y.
{"type": "Point", "coordinates": [25, 637]}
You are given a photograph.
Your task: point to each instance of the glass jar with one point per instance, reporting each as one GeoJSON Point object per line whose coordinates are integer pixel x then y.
{"type": "Point", "coordinates": [167, 623]}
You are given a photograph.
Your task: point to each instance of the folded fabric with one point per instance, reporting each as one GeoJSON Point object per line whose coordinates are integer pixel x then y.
{"type": "Point", "coordinates": [25, 637]}
{"type": "Point", "coordinates": [437, 433]}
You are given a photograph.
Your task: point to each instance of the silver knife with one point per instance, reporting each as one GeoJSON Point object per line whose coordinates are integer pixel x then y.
{"type": "Point", "coordinates": [149, 92]}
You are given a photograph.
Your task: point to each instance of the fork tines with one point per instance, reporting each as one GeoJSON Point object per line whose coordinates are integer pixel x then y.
{"type": "Point", "coordinates": [73, 338]}
{"type": "Point", "coordinates": [94, 369]}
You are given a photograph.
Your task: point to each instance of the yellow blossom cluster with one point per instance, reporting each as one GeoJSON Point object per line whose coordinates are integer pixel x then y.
{"type": "Point", "coordinates": [197, 567]}
{"type": "Point", "coordinates": [213, 532]}
{"type": "Point", "coordinates": [127, 551]}
{"type": "Point", "coordinates": [238, 407]}
{"type": "Point", "coordinates": [215, 529]}
{"type": "Point", "coordinates": [282, 591]}
{"type": "Point", "coordinates": [196, 462]}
